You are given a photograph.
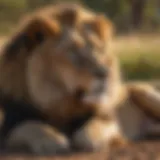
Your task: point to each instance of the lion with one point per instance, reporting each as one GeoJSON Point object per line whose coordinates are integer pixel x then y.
{"type": "Point", "coordinates": [64, 29]}
{"type": "Point", "coordinates": [61, 88]}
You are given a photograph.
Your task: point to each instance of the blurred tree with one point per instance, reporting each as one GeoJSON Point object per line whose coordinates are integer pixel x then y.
{"type": "Point", "coordinates": [117, 10]}
{"type": "Point", "coordinates": [38, 3]}
{"type": "Point", "coordinates": [126, 14]}
{"type": "Point", "coordinates": [10, 9]}
{"type": "Point", "coordinates": [137, 12]}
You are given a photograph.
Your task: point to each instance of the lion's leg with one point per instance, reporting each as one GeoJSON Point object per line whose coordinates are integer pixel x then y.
{"type": "Point", "coordinates": [97, 134]}
{"type": "Point", "coordinates": [37, 138]}
{"type": "Point", "coordinates": [146, 97]}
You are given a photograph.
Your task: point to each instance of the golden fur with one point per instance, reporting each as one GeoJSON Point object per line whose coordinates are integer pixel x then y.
{"type": "Point", "coordinates": [27, 63]}
{"type": "Point", "coordinates": [57, 62]}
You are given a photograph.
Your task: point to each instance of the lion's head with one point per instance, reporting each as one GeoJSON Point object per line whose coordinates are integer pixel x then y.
{"type": "Point", "coordinates": [61, 50]}
{"type": "Point", "coordinates": [76, 58]}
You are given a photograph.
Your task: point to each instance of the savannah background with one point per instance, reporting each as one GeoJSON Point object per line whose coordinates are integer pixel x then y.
{"type": "Point", "coordinates": [137, 43]}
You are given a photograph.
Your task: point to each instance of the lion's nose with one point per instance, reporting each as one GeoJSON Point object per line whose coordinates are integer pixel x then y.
{"type": "Point", "coordinates": [101, 72]}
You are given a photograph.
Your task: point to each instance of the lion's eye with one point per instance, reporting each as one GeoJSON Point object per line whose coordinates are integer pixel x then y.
{"type": "Point", "coordinates": [72, 56]}
{"type": "Point", "coordinates": [75, 59]}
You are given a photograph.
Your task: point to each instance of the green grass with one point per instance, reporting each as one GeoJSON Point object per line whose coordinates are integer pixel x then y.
{"type": "Point", "coordinates": [140, 65]}
{"type": "Point", "coordinates": [139, 56]}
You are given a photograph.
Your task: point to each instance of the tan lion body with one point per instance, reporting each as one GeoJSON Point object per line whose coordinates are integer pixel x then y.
{"type": "Point", "coordinates": [57, 63]}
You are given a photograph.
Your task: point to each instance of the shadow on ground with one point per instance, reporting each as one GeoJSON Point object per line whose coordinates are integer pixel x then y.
{"type": "Point", "coordinates": [147, 150]}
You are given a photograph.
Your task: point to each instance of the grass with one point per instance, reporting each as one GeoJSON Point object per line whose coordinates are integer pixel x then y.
{"type": "Point", "coordinates": [141, 65]}
{"type": "Point", "coordinates": [139, 56]}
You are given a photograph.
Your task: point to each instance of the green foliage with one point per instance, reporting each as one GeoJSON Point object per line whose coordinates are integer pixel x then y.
{"type": "Point", "coordinates": [152, 17]}
{"type": "Point", "coordinates": [117, 10]}
{"type": "Point", "coordinates": [144, 66]}
{"type": "Point", "coordinates": [13, 4]}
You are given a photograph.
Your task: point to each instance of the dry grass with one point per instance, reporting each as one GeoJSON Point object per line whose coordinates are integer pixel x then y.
{"type": "Point", "coordinates": [139, 56]}
{"type": "Point", "coordinates": [137, 43]}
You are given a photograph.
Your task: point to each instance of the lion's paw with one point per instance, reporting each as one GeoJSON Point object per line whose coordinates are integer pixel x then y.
{"type": "Point", "coordinates": [38, 139]}
{"type": "Point", "coordinates": [95, 135]}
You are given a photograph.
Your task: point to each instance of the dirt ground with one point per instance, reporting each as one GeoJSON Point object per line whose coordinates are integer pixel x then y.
{"type": "Point", "coordinates": [139, 151]}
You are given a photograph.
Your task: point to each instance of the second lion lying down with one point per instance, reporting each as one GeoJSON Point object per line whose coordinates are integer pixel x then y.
{"type": "Point", "coordinates": [61, 88]}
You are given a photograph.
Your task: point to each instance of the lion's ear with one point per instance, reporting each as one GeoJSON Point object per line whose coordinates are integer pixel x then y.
{"type": "Point", "coordinates": [40, 30]}
{"type": "Point", "coordinates": [32, 34]}
{"type": "Point", "coordinates": [104, 27]}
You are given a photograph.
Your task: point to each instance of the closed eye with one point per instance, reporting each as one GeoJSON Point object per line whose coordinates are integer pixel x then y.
{"type": "Point", "coordinates": [76, 59]}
